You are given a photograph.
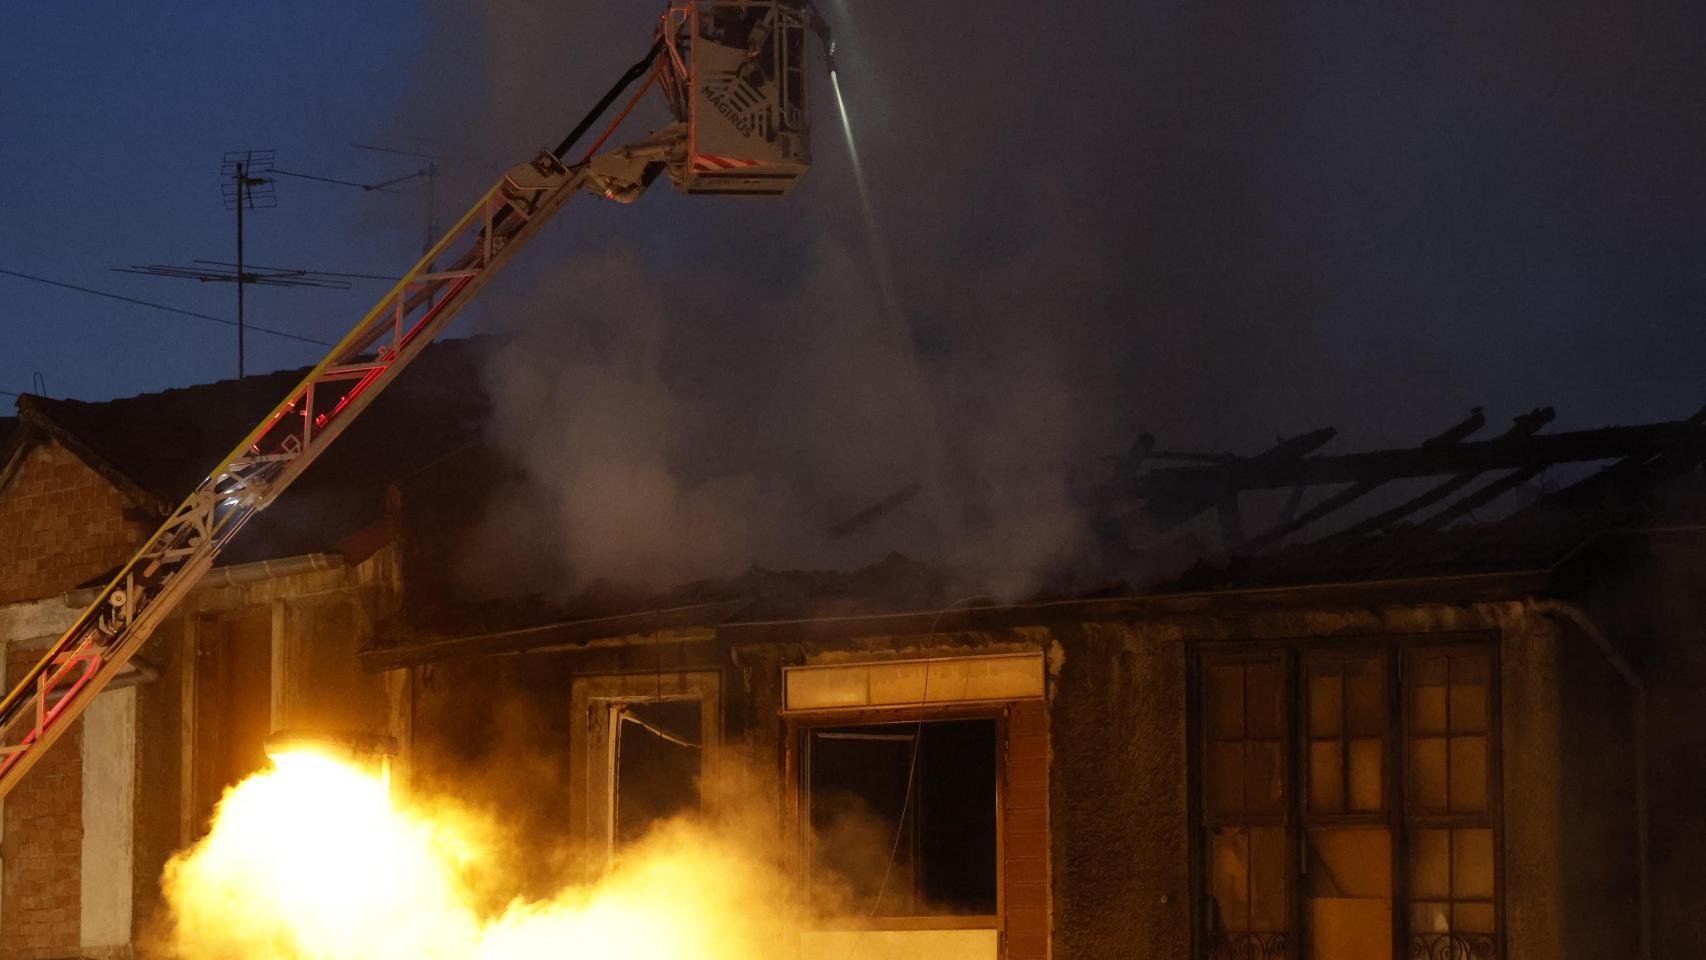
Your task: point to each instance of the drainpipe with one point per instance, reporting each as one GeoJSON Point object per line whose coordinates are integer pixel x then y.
{"type": "Point", "coordinates": [1561, 610]}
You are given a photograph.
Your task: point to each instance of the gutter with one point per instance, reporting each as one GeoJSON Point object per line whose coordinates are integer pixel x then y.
{"type": "Point", "coordinates": [267, 569]}
{"type": "Point", "coordinates": [1569, 612]}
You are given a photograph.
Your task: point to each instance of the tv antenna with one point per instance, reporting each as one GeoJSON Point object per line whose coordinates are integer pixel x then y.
{"type": "Point", "coordinates": [242, 187]}
{"type": "Point", "coordinates": [224, 271]}
{"type": "Point", "coordinates": [427, 172]}
{"type": "Point", "coordinates": [246, 183]}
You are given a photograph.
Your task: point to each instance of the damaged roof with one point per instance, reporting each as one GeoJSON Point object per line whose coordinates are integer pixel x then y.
{"type": "Point", "coordinates": [1634, 476]}
{"type": "Point", "coordinates": [1624, 477]}
{"type": "Point", "coordinates": [425, 436]}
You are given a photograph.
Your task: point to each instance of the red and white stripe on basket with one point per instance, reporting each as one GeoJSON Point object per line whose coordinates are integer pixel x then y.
{"type": "Point", "coordinates": [709, 161]}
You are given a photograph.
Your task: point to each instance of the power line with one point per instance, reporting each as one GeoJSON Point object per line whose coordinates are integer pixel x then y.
{"type": "Point", "coordinates": [161, 306]}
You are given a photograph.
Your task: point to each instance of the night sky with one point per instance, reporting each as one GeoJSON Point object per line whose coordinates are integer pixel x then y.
{"type": "Point", "coordinates": [1219, 222]}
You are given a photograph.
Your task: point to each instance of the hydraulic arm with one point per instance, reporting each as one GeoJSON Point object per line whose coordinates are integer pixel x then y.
{"type": "Point", "coordinates": [735, 77]}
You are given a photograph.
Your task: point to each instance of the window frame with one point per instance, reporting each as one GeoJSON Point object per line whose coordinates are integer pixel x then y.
{"type": "Point", "coordinates": [794, 728]}
{"type": "Point", "coordinates": [592, 741]}
{"type": "Point", "coordinates": [1293, 654]}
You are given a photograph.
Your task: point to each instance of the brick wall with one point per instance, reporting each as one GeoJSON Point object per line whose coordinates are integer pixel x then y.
{"type": "Point", "coordinates": [61, 524]}
{"type": "Point", "coordinates": [1024, 841]}
{"type": "Point", "coordinates": [41, 852]}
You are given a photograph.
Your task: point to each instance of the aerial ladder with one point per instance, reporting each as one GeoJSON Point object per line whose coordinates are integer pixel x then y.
{"type": "Point", "coordinates": [735, 74]}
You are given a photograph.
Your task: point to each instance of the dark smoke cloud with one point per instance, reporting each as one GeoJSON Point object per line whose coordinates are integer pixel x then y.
{"type": "Point", "coordinates": [1218, 222]}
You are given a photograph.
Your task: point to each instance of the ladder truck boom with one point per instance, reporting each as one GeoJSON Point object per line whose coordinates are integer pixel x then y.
{"type": "Point", "coordinates": [734, 74]}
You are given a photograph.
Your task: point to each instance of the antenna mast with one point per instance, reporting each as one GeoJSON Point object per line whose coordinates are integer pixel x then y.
{"type": "Point", "coordinates": [245, 188]}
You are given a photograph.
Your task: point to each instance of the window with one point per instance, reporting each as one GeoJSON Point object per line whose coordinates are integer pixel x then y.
{"type": "Point", "coordinates": [1451, 895]}
{"type": "Point", "coordinates": [902, 816]}
{"type": "Point", "coordinates": [643, 748]}
{"type": "Point", "coordinates": [1336, 785]}
{"type": "Point", "coordinates": [656, 768]}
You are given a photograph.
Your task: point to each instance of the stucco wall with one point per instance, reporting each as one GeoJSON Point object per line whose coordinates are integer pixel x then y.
{"type": "Point", "coordinates": [1120, 831]}
{"type": "Point", "coordinates": [1654, 611]}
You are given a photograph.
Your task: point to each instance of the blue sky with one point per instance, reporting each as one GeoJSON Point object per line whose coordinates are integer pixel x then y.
{"type": "Point", "coordinates": [1204, 219]}
{"type": "Point", "coordinates": [115, 117]}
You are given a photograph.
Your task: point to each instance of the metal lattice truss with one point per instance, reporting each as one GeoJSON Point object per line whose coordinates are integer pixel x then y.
{"type": "Point", "coordinates": [43, 702]}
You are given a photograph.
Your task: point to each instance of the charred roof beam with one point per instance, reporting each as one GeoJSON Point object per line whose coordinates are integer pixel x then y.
{"type": "Point", "coordinates": [1459, 432]}
{"type": "Point", "coordinates": [1523, 426]}
{"type": "Point", "coordinates": [1171, 507]}
{"type": "Point", "coordinates": [1507, 453]}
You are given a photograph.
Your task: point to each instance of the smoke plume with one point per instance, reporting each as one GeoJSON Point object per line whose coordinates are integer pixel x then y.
{"type": "Point", "coordinates": [1217, 224]}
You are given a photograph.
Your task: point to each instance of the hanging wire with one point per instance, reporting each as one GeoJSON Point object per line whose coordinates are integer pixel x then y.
{"type": "Point", "coordinates": [160, 306]}
{"type": "Point", "coordinates": [911, 772]}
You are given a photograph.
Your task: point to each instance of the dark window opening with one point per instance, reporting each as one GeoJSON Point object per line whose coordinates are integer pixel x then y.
{"type": "Point", "coordinates": [232, 703]}
{"type": "Point", "coordinates": [657, 764]}
{"type": "Point", "coordinates": [891, 851]}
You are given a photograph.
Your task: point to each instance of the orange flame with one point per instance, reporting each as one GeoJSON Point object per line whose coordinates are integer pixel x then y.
{"type": "Point", "coordinates": [311, 861]}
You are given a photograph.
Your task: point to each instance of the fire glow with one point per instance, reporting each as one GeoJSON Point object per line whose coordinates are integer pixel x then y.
{"type": "Point", "coordinates": [312, 861]}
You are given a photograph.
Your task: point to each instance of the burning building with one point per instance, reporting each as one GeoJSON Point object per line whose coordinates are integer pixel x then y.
{"type": "Point", "coordinates": [1391, 716]}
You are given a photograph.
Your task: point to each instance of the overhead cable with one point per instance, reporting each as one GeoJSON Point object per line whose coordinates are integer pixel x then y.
{"type": "Point", "coordinates": [161, 306]}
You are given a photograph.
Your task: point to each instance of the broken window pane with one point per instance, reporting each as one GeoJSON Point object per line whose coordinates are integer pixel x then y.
{"type": "Point", "coordinates": [1348, 886]}
{"type": "Point", "coordinates": [658, 759]}
{"type": "Point", "coordinates": [893, 850]}
{"type": "Point", "coordinates": [1247, 879]}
